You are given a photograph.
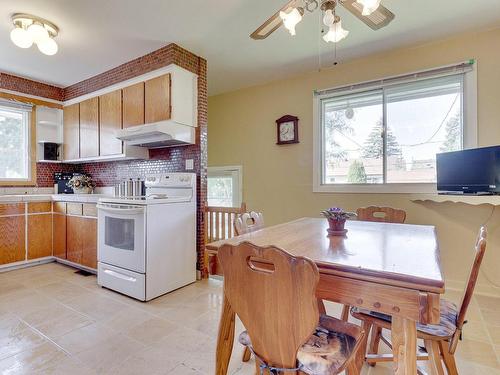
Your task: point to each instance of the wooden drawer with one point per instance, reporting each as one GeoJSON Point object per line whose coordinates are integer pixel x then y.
{"type": "Point", "coordinates": [60, 207]}
{"type": "Point", "coordinates": [11, 209]}
{"type": "Point", "coordinates": [74, 209]}
{"type": "Point", "coordinates": [34, 207]}
{"type": "Point", "coordinates": [89, 209]}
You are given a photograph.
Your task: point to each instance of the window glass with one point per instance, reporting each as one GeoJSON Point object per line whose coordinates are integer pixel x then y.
{"type": "Point", "coordinates": [14, 144]}
{"type": "Point", "coordinates": [220, 191]}
{"type": "Point", "coordinates": [391, 135]}
{"type": "Point", "coordinates": [224, 186]}
{"type": "Point", "coordinates": [423, 119]}
{"type": "Point", "coordinates": [352, 142]}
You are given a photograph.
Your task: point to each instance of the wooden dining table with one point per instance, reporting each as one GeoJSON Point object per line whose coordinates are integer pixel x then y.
{"type": "Point", "coordinates": [392, 269]}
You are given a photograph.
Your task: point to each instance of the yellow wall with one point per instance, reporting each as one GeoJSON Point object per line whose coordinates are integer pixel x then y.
{"type": "Point", "coordinates": [278, 179]}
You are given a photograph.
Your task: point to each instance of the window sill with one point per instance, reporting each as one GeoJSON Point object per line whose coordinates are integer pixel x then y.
{"type": "Point", "coordinates": [376, 188]}
{"type": "Point", "coordinates": [17, 183]}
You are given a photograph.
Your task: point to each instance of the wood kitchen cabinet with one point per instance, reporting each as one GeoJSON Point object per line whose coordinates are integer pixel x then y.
{"type": "Point", "coordinates": [59, 235]}
{"type": "Point", "coordinates": [12, 239]}
{"type": "Point", "coordinates": [89, 128]}
{"type": "Point", "coordinates": [157, 99]}
{"type": "Point", "coordinates": [110, 120]}
{"type": "Point", "coordinates": [71, 132]}
{"type": "Point", "coordinates": [81, 240]}
{"type": "Point", "coordinates": [39, 236]}
{"type": "Point", "coordinates": [133, 105]}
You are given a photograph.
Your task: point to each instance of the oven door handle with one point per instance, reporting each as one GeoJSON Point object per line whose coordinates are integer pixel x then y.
{"type": "Point", "coordinates": [124, 211]}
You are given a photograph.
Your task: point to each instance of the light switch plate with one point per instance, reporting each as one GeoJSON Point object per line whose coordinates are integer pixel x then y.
{"type": "Point", "coordinates": [189, 164]}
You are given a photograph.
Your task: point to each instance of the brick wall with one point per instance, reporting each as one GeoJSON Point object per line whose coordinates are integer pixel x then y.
{"type": "Point", "coordinates": [162, 160]}
{"type": "Point", "coordinates": [27, 86]}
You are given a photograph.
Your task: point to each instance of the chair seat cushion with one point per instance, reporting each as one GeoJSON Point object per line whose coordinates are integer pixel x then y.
{"type": "Point", "coordinates": [446, 327]}
{"type": "Point", "coordinates": [325, 352]}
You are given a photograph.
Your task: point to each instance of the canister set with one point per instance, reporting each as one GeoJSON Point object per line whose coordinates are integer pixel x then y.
{"type": "Point", "coordinates": [130, 188]}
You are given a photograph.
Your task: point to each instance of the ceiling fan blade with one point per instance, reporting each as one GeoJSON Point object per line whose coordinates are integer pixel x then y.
{"type": "Point", "coordinates": [273, 23]}
{"type": "Point", "coordinates": [378, 19]}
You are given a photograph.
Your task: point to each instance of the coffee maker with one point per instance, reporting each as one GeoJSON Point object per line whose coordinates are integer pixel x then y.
{"type": "Point", "coordinates": [60, 181]}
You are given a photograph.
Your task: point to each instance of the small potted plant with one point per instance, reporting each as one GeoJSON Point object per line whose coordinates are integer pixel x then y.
{"type": "Point", "coordinates": [81, 184]}
{"type": "Point", "coordinates": [337, 217]}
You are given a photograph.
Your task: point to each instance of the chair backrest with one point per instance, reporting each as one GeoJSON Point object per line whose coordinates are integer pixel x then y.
{"type": "Point", "coordinates": [381, 214]}
{"type": "Point", "coordinates": [219, 222]}
{"type": "Point", "coordinates": [273, 293]}
{"type": "Point", "coordinates": [479, 249]}
{"type": "Point", "coordinates": [248, 222]}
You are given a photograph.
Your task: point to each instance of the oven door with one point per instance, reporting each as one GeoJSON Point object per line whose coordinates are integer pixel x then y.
{"type": "Point", "coordinates": [122, 236]}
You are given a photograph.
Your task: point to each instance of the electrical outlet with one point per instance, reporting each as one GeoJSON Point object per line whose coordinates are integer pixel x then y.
{"type": "Point", "coordinates": [189, 164]}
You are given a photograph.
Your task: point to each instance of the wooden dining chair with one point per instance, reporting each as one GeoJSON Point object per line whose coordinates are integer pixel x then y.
{"type": "Point", "coordinates": [273, 293]}
{"type": "Point", "coordinates": [441, 339]}
{"type": "Point", "coordinates": [248, 222]}
{"type": "Point", "coordinates": [219, 225]}
{"type": "Point", "coordinates": [381, 215]}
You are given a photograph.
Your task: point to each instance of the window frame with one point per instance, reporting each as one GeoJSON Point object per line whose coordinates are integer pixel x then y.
{"type": "Point", "coordinates": [469, 109]}
{"type": "Point", "coordinates": [223, 171]}
{"type": "Point", "coordinates": [31, 125]}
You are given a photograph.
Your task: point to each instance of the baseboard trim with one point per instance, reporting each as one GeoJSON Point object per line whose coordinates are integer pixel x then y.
{"type": "Point", "coordinates": [75, 265]}
{"type": "Point", "coordinates": [25, 264]}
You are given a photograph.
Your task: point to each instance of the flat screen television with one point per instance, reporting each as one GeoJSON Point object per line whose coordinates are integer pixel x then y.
{"type": "Point", "coordinates": [474, 171]}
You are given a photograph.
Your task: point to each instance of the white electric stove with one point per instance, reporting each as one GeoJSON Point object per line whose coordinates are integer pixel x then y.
{"type": "Point", "coordinates": [147, 245]}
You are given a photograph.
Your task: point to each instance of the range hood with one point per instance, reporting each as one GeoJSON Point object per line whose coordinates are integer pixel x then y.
{"type": "Point", "coordinates": [158, 134]}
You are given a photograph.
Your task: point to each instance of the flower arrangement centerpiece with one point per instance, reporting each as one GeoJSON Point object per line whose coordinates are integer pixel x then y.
{"type": "Point", "coordinates": [337, 217]}
{"type": "Point", "coordinates": [81, 184]}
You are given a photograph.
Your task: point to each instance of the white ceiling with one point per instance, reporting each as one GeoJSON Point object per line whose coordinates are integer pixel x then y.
{"type": "Point", "coordinates": [96, 35]}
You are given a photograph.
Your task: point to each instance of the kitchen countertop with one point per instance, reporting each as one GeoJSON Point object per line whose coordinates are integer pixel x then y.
{"type": "Point", "coordinates": [82, 198]}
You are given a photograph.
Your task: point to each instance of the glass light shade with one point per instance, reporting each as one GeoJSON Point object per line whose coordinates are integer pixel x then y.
{"type": "Point", "coordinates": [336, 33]}
{"type": "Point", "coordinates": [48, 46]}
{"type": "Point", "coordinates": [21, 38]}
{"type": "Point", "coordinates": [328, 18]}
{"type": "Point", "coordinates": [38, 32]}
{"type": "Point", "coordinates": [291, 19]}
{"type": "Point", "coordinates": [369, 6]}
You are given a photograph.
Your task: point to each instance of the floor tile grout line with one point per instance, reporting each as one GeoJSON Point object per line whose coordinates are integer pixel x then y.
{"type": "Point", "coordinates": [47, 338]}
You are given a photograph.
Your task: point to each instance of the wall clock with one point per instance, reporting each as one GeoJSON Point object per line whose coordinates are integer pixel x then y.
{"type": "Point", "coordinates": [287, 130]}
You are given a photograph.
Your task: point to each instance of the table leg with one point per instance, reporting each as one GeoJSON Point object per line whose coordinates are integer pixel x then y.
{"type": "Point", "coordinates": [404, 345]}
{"type": "Point", "coordinates": [225, 339]}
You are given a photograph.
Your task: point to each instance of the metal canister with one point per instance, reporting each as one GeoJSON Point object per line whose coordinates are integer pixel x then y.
{"type": "Point", "coordinates": [137, 188]}
{"type": "Point", "coordinates": [129, 188]}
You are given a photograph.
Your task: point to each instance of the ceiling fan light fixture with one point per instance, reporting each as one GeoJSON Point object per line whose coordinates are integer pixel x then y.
{"type": "Point", "coordinates": [291, 19]}
{"type": "Point", "coordinates": [369, 6]}
{"type": "Point", "coordinates": [336, 33]}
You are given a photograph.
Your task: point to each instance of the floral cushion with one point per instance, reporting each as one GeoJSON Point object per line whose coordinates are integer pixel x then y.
{"type": "Point", "coordinates": [325, 352]}
{"type": "Point", "coordinates": [446, 327]}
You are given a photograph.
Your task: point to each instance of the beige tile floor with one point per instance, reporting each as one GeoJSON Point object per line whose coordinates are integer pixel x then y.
{"type": "Point", "coordinates": [53, 321]}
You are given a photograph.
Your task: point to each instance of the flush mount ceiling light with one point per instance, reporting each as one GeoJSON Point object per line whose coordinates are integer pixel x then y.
{"type": "Point", "coordinates": [30, 29]}
{"type": "Point", "coordinates": [370, 12]}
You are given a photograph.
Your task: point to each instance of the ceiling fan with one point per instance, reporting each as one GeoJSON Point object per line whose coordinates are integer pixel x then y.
{"type": "Point", "coordinates": [371, 12]}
